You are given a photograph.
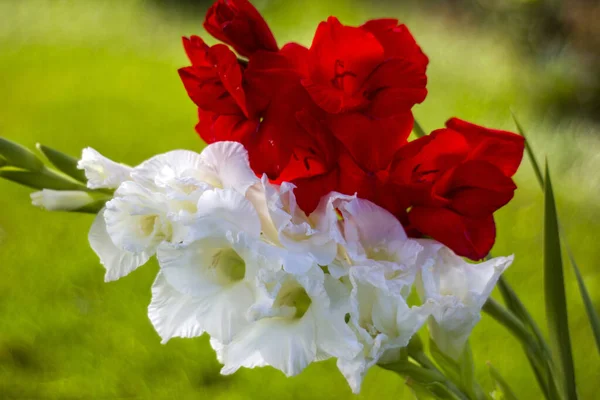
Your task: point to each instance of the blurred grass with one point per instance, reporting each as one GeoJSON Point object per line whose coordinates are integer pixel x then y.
{"type": "Point", "coordinates": [103, 74]}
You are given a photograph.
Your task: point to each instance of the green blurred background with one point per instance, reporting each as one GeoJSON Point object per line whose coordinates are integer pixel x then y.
{"type": "Point", "coordinates": [104, 74]}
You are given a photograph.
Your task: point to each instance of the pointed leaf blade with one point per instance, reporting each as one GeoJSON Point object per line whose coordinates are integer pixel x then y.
{"type": "Point", "coordinates": [589, 305]}
{"type": "Point", "coordinates": [555, 297]}
{"type": "Point", "coordinates": [587, 300]}
{"type": "Point", "coordinates": [536, 166]}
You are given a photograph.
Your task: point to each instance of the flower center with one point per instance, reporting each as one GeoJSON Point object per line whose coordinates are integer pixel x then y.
{"type": "Point", "coordinates": [379, 254]}
{"type": "Point", "coordinates": [228, 266]}
{"type": "Point", "coordinates": [293, 295]}
{"type": "Point", "coordinates": [146, 224]}
{"type": "Point", "coordinates": [340, 74]}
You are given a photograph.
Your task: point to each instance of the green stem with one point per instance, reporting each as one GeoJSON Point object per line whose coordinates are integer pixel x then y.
{"type": "Point", "coordinates": [420, 357]}
{"type": "Point", "coordinates": [536, 352]}
{"type": "Point", "coordinates": [425, 377]}
{"type": "Point", "coordinates": [512, 323]}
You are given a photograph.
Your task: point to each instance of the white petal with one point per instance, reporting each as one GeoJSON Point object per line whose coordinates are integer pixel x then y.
{"type": "Point", "coordinates": [371, 231]}
{"type": "Point", "coordinates": [220, 272]}
{"type": "Point", "coordinates": [256, 195]}
{"type": "Point", "coordinates": [224, 314]}
{"type": "Point", "coordinates": [326, 215]}
{"type": "Point", "coordinates": [136, 218]}
{"type": "Point", "coordinates": [381, 319]}
{"type": "Point", "coordinates": [296, 231]}
{"type": "Point", "coordinates": [61, 200]}
{"type": "Point", "coordinates": [117, 262]}
{"type": "Point", "coordinates": [227, 166]}
{"type": "Point", "coordinates": [178, 170]}
{"type": "Point", "coordinates": [334, 336]}
{"type": "Point", "coordinates": [172, 313]}
{"type": "Point", "coordinates": [222, 209]}
{"type": "Point", "coordinates": [102, 172]}
{"type": "Point", "coordinates": [288, 345]}
{"type": "Point", "coordinates": [460, 290]}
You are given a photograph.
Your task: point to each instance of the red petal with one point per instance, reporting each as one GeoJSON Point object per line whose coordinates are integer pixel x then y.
{"type": "Point", "coordinates": [397, 40]}
{"type": "Point", "coordinates": [384, 137]}
{"type": "Point", "coordinates": [196, 50]}
{"type": "Point", "coordinates": [426, 159]}
{"type": "Point", "coordinates": [340, 59]}
{"type": "Point", "coordinates": [239, 24]}
{"type": "Point", "coordinates": [467, 237]}
{"type": "Point", "coordinates": [214, 82]}
{"type": "Point", "coordinates": [396, 86]}
{"type": "Point", "coordinates": [310, 190]}
{"type": "Point", "coordinates": [500, 148]}
{"type": "Point", "coordinates": [215, 128]}
{"type": "Point", "coordinates": [207, 93]}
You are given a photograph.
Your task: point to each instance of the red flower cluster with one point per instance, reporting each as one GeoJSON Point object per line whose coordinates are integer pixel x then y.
{"type": "Point", "coordinates": [337, 115]}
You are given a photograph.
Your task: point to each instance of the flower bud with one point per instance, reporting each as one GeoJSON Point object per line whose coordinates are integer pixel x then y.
{"type": "Point", "coordinates": [61, 200]}
{"type": "Point", "coordinates": [240, 25]}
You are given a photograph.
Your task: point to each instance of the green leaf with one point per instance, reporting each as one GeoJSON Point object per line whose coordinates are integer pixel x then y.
{"type": "Point", "coordinates": [508, 393]}
{"type": "Point", "coordinates": [514, 304]}
{"type": "Point", "coordinates": [530, 154]}
{"type": "Point", "coordinates": [554, 290]}
{"type": "Point", "coordinates": [45, 179]}
{"type": "Point", "coordinates": [63, 162]}
{"type": "Point", "coordinates": [450, 367]}
{"type": "Point", "coordinates": [92, 208]}
{"type": "Point", "coordinates": [589, 305]}
{"type": "Point", "coordinates": [3, 162]}
{"type": "Point", "coordinates": [19, 156]}
{"type": "Point", "coordinates": [467, 371]}
{"type": "Point", "coordinates": [418, 129]}
{"type": "Point", "coordinates": [420, 392]}
{"type": "Point", "coordinates": [587, 301]}
{"type": "Point", "coordinates": [432, 380]}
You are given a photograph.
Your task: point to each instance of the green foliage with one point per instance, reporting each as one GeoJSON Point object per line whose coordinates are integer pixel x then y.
{"type": "Point", "coordinates": [63, 162]}
{"type": "Point", "coordinates": [554, 294]}
{"type": "Point", "coordinates": [593, 317]}
{"type": "Point", "coordinates": [19, 156]}
{"type": "Point", "coordinates": [45, 179]}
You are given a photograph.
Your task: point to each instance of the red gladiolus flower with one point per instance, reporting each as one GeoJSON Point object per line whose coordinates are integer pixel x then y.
{"type": "Point", "coordinates": [377, 68]}
{"type": "Point", "coordinates": [214, 81]}
{"type": "Point", "coordinates": [369, 99]}
{"type": "Point", "coordinates": [240, 25]}
{"type": "Point", "coordinates": [455, 179]}
{"type": "Point", "coordinates": [337, 116]}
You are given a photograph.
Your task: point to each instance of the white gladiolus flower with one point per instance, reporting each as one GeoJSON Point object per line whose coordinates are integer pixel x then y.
{"type": "Point", "coordinates": [372, 234]}
{"type": "Point", "coordinates": [116, 261]}
{"type": "Point", "coordinates": [299, 319]}
{"type": "Point", "coordinates": [220, 165]}
{"type": "Point", "coordinates": [154, 199]}
{"type": "Point", "coordinates": [208, 285]}
{"type": "Point", "coordinates": [102, 172]}
{"type": "Point", "coordinates": [61, 200]}
{"type": "Point", "coordinates": [380, 317]}
{"type": "Point", "coordinates": [136, 218]}
{"type": "Point", "coordinates": [286, 224]}
{"type": "Point", "coordinates": [460, 289]}
{"type": "Point", "coordinates": [207, 282]}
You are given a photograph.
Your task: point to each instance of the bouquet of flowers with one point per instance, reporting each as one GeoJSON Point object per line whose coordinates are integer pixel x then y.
{"type": "Point", "coordinates": [310, 227]}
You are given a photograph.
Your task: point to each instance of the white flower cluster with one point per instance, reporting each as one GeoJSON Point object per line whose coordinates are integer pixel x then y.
{"type": "Point", "coordinates": [271, 285]}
